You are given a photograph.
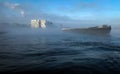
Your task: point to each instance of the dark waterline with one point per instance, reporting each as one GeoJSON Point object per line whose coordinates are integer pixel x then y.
{"type": "Point", "coordinates": [55, 51]}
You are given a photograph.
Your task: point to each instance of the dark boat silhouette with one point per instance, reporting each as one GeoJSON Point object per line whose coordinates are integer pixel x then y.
{"type": "Point", "coordinates": [104, 29]}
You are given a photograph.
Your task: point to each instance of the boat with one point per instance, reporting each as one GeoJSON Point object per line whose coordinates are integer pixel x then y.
{"type": "Point", "coordinates": [104, 29]}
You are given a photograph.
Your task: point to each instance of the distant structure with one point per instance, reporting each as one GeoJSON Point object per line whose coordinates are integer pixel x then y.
{"type": "Point", "coordinates": [104, 29]}
{"type": "Point", "coordinates": [43, 23]}
{"type": "Point", "coordinates": [38, 23]}
{"type": "Point", "coordinates": [35, 23]}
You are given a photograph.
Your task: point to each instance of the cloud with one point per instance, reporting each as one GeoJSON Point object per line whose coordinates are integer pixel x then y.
{"type": "Point", "coordinates": [16, 7]}
{"type": "Point", "coordinates": [22, 13]}
{"type": "Point", "coordinates": [78, 17]}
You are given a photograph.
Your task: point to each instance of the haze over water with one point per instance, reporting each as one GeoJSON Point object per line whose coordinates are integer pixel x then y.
{"type": "Point", "coordinates": [51, 50]}
{"type": "Point", "coordinates": [55, 51]}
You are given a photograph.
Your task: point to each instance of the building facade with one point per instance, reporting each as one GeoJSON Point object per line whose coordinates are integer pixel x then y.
{"type": "Point", "coordinates": [38, 23]}
{"type": "Point", "coordinates": [43, 23]}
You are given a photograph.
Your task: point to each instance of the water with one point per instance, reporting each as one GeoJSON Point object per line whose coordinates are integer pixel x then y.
{"type": "Point", "coordinates": [55, 51]}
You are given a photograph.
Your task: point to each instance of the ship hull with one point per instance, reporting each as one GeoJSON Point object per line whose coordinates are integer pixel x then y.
{"type": "Point", "coordinates": [88, 30]}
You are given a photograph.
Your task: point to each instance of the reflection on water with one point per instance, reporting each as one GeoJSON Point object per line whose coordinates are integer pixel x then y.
{"type": "Point", "coordinates": [56, 51]}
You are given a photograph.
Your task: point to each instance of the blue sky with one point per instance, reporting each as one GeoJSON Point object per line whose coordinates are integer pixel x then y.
{"type": "Point", "coordinates": [67, 11]}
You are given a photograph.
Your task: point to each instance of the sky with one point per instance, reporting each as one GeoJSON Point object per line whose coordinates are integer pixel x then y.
{"type": "Point", "coordinates": [77, 12]}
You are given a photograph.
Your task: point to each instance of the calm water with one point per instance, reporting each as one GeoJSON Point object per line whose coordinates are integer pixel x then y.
{"type": "Point", "coordinates": [55, 51]}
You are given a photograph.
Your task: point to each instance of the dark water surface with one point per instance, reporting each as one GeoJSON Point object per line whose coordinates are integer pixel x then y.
{"type": "Point", "coordinates": [54, 51]}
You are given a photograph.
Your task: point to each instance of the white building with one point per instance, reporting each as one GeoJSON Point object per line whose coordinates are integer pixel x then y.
{"type": "Point", "coordinates": [43, 23]}
{"type": "Point", "coordinates": [38, 23]}
{"type": "Point", "coordinates": [35, 23]}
